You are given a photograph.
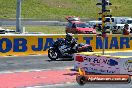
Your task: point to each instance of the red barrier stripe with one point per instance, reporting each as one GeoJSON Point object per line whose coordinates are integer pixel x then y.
{"type": "Point", "coordinates": [79, 59]}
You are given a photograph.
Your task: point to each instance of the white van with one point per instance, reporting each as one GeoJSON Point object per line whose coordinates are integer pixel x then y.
{"type": "Point", "coordinates": [93, 23]}
{"type": "Point", "coordinates": [116, 20]}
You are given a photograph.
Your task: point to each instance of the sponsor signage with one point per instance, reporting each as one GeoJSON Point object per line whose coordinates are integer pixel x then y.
{"type": "Point", "coordinates": [97, 64]}
{"type": "Point", "coordinates": [99, 61]}
{"type": "Point", "coordinates": [109, 78]}
{"type": "Point", "coordinates": [126, 65]}
{"type": "Point", "coordinates": [44, 43]}
{"type": "Point", "coordinates": [103, 64]}
{"type": "Point", "coordinates": [21, 44]}
{"type": "Point", "coordinates": [31, 44]}
{"type": "Point", "coordinates": [111, 42]}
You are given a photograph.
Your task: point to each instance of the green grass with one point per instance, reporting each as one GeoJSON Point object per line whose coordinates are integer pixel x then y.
{"type": "Point", "coordinates": [43, 29]}
{"type": "Point", "coordinates": [46, 29]}
{"type": "Point", "coordinates": [58, 9]}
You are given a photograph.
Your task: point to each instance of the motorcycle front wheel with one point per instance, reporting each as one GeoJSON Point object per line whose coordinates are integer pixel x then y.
{"type": "Point", "coordinates": [52, 54]}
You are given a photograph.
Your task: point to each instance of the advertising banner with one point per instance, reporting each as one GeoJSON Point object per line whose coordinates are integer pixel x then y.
{"type": "Point", "coordinates": [97, 64]}
{"type": "Point", "coordinates": [126, 65]}
{"type": "Point", "coordinates": [103, 64]}
{"type": "Point", "coordinates": [20, 44]}
{"type": "Point", "coordinates": [23, 45]}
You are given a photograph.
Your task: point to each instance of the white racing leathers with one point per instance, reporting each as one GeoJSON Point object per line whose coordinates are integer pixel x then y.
{"type": "Point", "coordinates": [64, 49]}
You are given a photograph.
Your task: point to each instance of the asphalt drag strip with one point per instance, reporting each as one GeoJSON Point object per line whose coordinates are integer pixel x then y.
{"type": "Point", "coordinates": [41, 72]}
{"type": "Point", "coordinates": [32, 63]}
{"type": "Point", "coordinates": [75, 85]}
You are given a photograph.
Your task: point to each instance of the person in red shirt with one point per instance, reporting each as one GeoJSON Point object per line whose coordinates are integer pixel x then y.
{"type": "Point", "coordinates": [125, 29]}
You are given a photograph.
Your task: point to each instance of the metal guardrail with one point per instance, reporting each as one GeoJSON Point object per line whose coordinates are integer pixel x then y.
{"type": "Point", "coordinates": [50, 23]}
{"type": "Point", "coordinates": [12, 22]}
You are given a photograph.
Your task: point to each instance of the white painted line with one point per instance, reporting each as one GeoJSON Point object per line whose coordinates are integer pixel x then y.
{"type": "Point", "coordinates": [45, 21]}
{"type": "Point", "coordinates": [33, 35]}
{"type": "Point", "coordinates": [24, 55]}
{"type": "Point", "coordinates": [54, 85]}
{"type": "Point", "coordinates": [18, 71]}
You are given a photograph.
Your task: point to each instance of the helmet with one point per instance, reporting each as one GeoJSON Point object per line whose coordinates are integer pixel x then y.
{"type": "Point", "coordinates": [69, 36]}
{"type": "Point", "coordinates": [126, 25]}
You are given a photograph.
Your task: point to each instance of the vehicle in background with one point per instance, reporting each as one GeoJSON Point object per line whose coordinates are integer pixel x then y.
{"type": "Point", "coordinates": [118, 28]}
{"type": "Point", "coordinates": [129, 21]}
{"type": "Point", "coordinates": [110, 21]}
{"type": "Point", "coordinates": [75, 26]}
{"type": "Point", "coordinates": [94, 23]}
{"type": "Point", "coordinates": [115, 20]}
{"type": "Point", "coordinates": [121, 20]}
{"type": "Point", "coordinates": [98, 25]}
{"type": "Point", "coordinates": [72, 18]}
{"type": "Point", "coordinates": [6, 31]}
{"type": "Point", "coordinates": [116, 24]}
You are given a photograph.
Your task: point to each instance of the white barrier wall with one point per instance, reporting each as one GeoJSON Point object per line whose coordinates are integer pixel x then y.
{"type": "Point", "coordinates": [126, 65]}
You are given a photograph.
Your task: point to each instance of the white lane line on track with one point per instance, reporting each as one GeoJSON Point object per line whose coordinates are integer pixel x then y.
{"type": "Point", "coordinates": [54, 85]}
{"type": "Point", "coordinates": [46, 54]}
{"type": "Point", "coordinates": [23, 55]}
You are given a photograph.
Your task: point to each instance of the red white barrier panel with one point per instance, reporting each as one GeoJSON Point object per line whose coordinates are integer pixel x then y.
{"type": "Point", "coordinates": [103, 64]}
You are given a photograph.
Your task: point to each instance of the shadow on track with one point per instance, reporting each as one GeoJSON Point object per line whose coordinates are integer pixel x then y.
{"type": "Point", "coordinates": [61, 59]}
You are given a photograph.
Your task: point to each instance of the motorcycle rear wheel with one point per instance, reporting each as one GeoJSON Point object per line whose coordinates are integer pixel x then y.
{"type": "Point", "coordinates": [89, 49]}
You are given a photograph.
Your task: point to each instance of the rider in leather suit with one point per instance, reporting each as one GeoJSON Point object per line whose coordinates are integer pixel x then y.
{"type": "Point", "coordinates": [71, 42]}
